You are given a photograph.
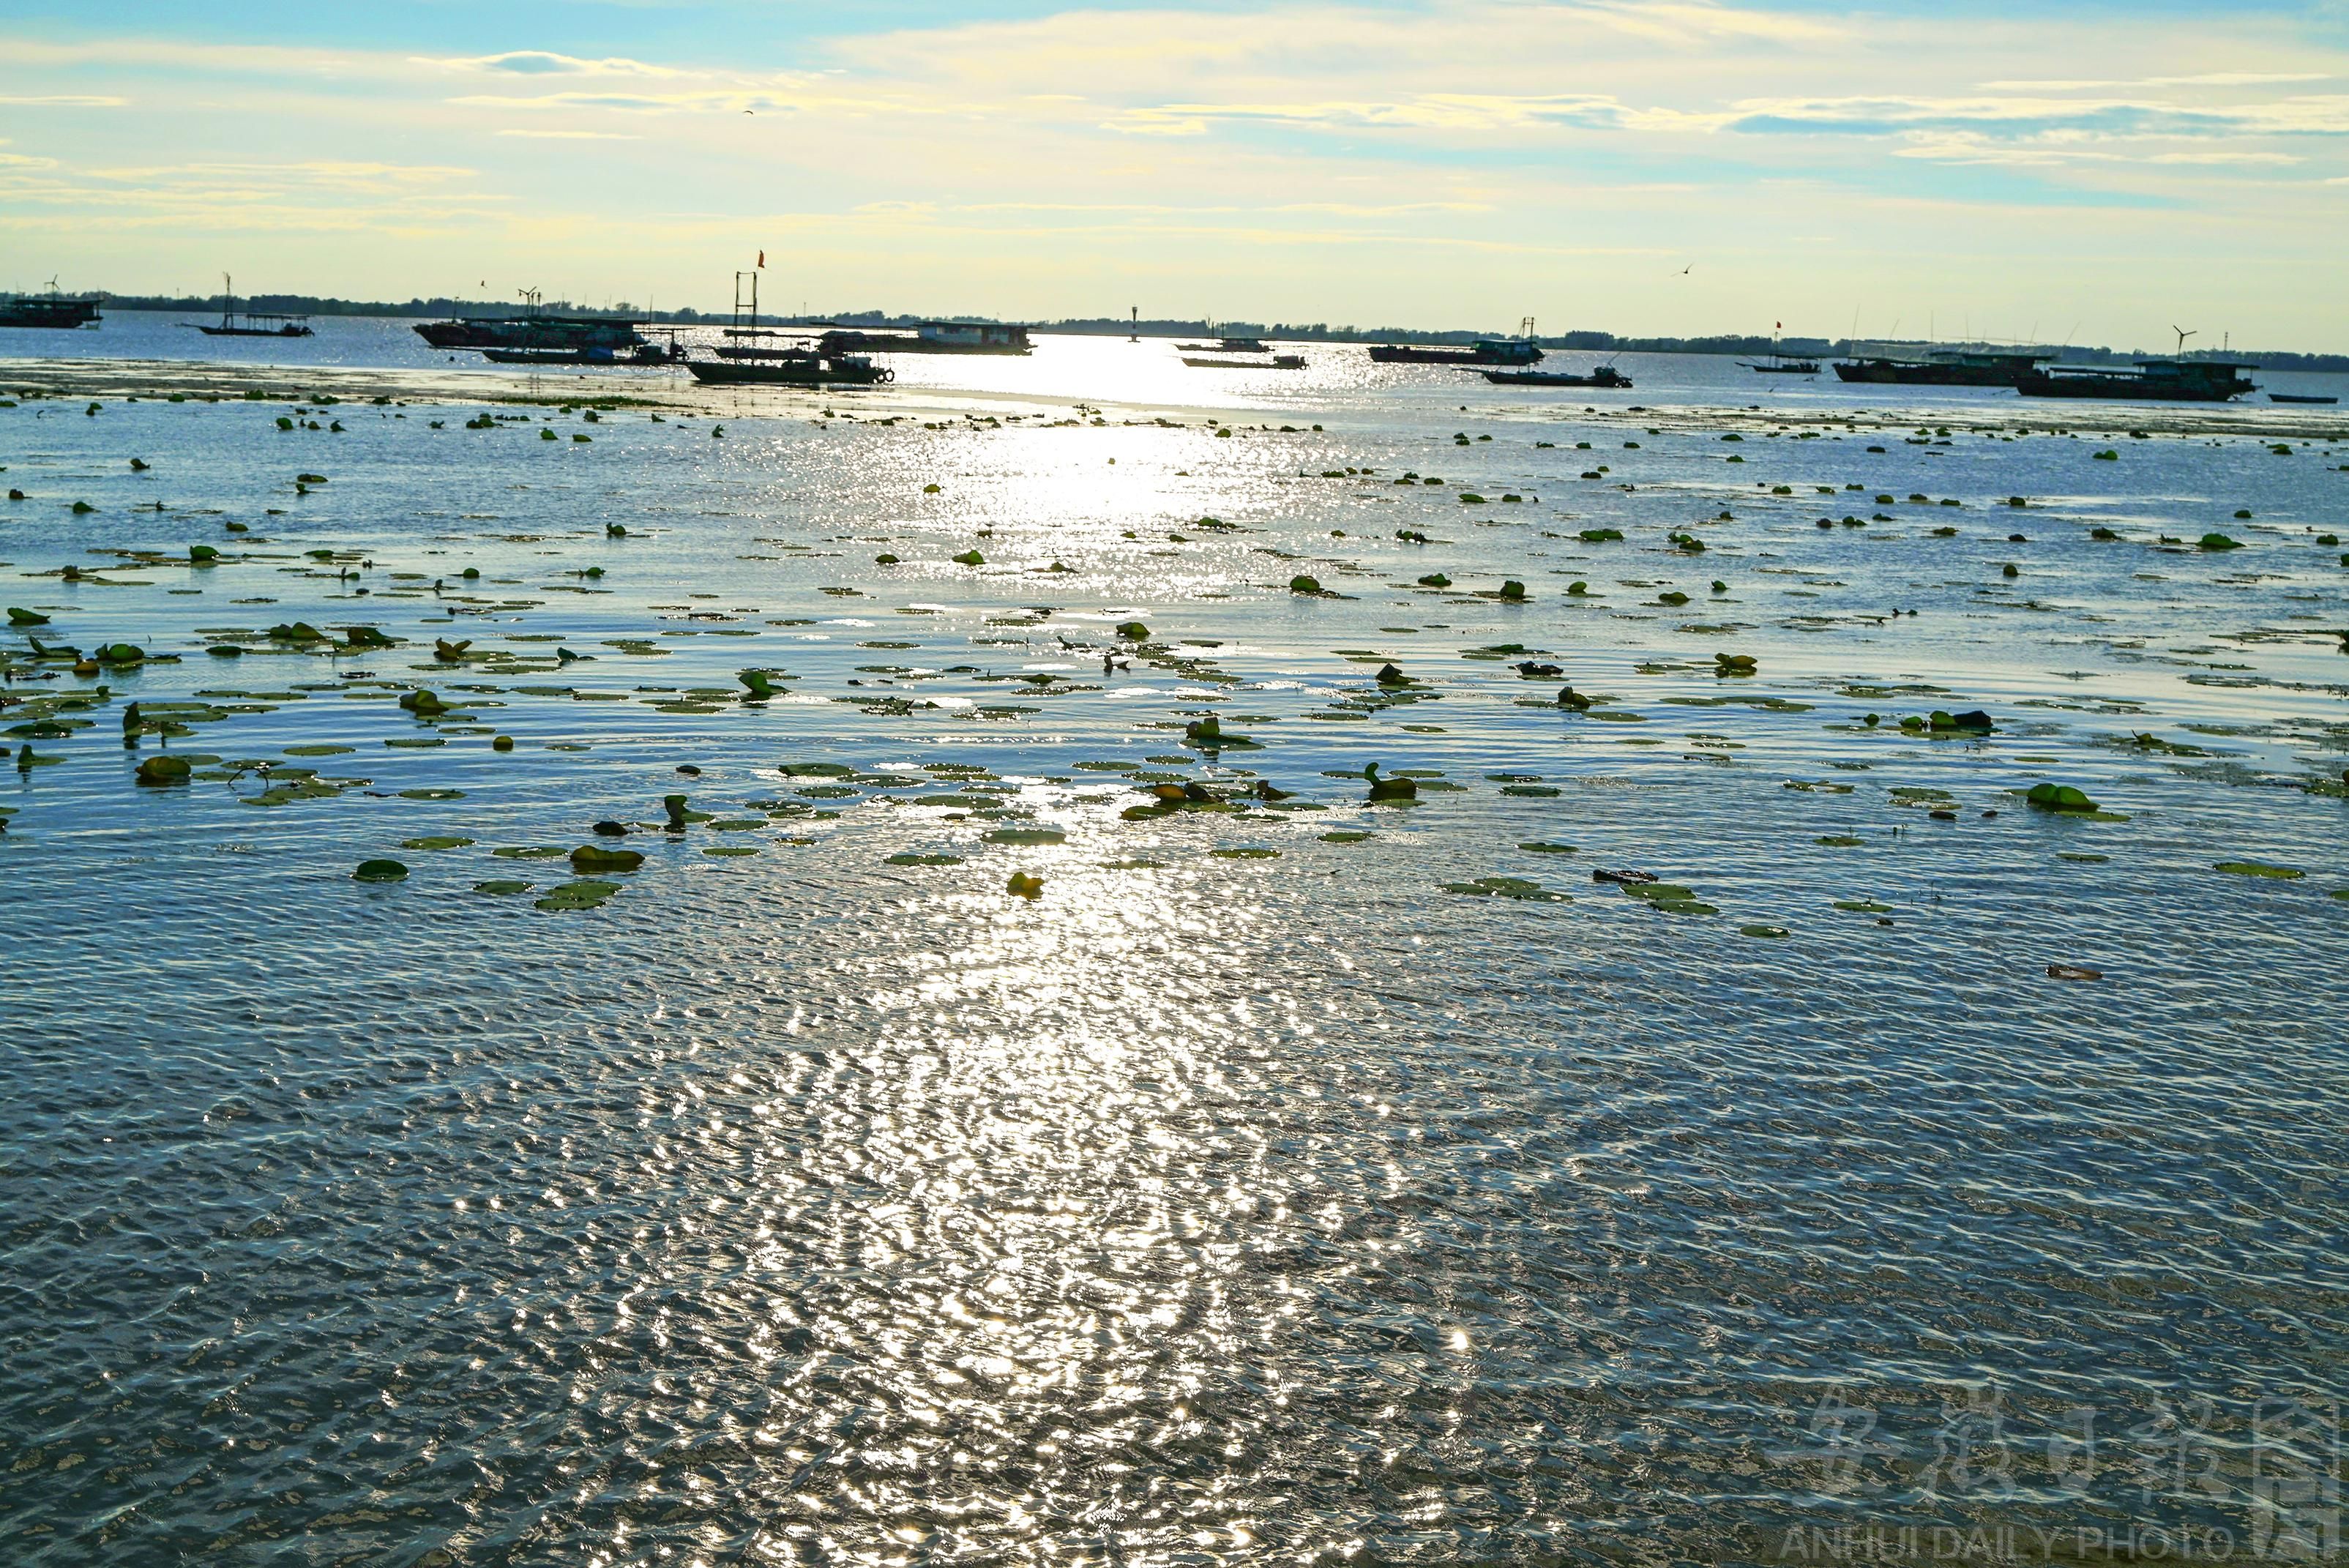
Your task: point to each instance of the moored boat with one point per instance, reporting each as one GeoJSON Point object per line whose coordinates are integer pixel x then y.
{"type": "Point", "coordinates": [2299, 398]}
{"type": "Point", "coordinates": [532, 330]}
{"type": "Point", "coordinates": [2153, 380]}
{"type": "Point", "coordinates": [1940, 367]}
{"type": "Point", "coordinates": [930, 337]}
{"type": "Point", "coordinates": [54, 311]}
{"type": "Point", "coordinates": [1483, 351]}
{"type": "Point", "coordinates": [801, 369]}
{"type": "Point", "coordinates": [1278, 362]}
{"type": "Point", "coordinates": [1600, 376]}
{"type": "Point", "coordinates": [234, 323]}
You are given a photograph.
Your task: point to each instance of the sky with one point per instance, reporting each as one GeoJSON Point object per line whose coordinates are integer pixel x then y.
{"type": "Point", "coordinates": [2062, 171]}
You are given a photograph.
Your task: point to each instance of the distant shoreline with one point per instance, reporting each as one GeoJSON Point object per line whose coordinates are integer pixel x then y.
{"type": "Point", "coordinates": [1578, 341]}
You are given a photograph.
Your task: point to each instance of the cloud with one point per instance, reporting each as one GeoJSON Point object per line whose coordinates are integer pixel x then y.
{"type": "Point", "coordinates": [573, 135]}
{"type": "Point", "coordinates": [64, 100]}
{"type": "Point", "coordinates": [539, 62]}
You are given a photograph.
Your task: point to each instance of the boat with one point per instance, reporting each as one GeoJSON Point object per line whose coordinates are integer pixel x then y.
{"type": "Point", "coordinates": [645, 354]}
{"type": "Point", "coordinates": [1226, 346]}
{"type": "Point", "coordinates": [2298, 398]}
{"type": "Point", "coordinates": [930, 337]}
{"type": "Point", "coordinates": [795, 345]}
{"type": "Point", "coordinates": [1278, 362]}
{"type": "Point", "coordinates": [2153, 380]}
{"type": "Point", "coordinates": [1940, 367]}
{"type": "Point", "coordinates": [59, 312]}
{"type": "Point", "coordinates": [1779, 365]}
{"type": "Point", "coordinates": [1483, 351]}
{"type": "Point", "coordinates": [804, 368]}
{"type": "Point", "coordinates": [251, 323]}
{"type": "Point", "coordinates": [531, 329]}
{"type": "Point", "coordinates": [1600, 376]}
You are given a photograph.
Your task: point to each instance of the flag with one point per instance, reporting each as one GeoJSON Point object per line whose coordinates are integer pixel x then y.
{"type": "Point", "coordinates": [762, 258]}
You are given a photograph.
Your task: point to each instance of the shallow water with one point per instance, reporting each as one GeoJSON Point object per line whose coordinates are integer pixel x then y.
{"type": "Point", "coordinates": [1208, 1206]}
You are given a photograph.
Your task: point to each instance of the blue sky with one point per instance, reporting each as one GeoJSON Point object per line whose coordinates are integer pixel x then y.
{"type": "Point", "coordinates": [2081, 171]}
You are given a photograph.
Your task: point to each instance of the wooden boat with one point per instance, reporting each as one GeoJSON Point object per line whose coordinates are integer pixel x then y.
{"type": "Point", "coordinates": [2298, 398]}
{"type": "Point", "coordinates": [803, 369]}
{"type": "Point", "coordinates": [1940, 367]}
{"type": "Point", "coordinates": [1278, 362]}
{"type": "Point", "coordinates": [1600, 376]}
{"type": "Point", "coordinates": [52, 310]}
{"type": "Point", "coordinates": [1777, 366]}
{"type": "Point", "coordinates": [2153, 380]}
{"type": "Point", "coordinates": [930, 337]}
{"type": "Point", "coordinates": [644, 354]}
{"type": "Point", "coordinates": [1483, 351]}
{"type": "Point", "coordinates": [251, 323]}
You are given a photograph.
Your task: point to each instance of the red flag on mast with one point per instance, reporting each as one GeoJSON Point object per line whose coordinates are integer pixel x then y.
{"type": "Point", "coordinates": [762, 258]}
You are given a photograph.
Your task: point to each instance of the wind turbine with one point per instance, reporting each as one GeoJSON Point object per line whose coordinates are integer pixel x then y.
{"type": "Point", "coordinates": [2182, 336]}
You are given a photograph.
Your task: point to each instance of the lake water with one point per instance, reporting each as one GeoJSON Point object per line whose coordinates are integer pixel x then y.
{"type": "Point", "coordinates": [1293, 1178]}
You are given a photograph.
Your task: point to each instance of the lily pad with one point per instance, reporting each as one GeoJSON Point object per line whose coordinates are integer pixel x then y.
{"type": "Point", "coordinates": [1345, 836]}
{"type": "Point", "coordinates": [502, 887]}
{"type": "Point", "coordinates": [910, 859]}
{"type": "Point", "coordinates": [584, 894]}
{"type": "Point", "coordinates": [590, 857]}
{"type": "Point", "coordinates": [380, 871]}
{"type": "Point", "coordinates": [2260, 868]}
{"type": "Point", "coordinates": [1248, 852]}
{"type": "Point", "coordinates": [1539, 847]}
{"type": "Point", "coordinates": [431, 794]}
{"type": "Point", "coordinates": [1508, 887]}
{"type": "Point", "coordinates": [1767, 933]}
{"type": "Point", "coordinates": [1027, 835]}
{"type": "Point", "coordinates": [534, 852]}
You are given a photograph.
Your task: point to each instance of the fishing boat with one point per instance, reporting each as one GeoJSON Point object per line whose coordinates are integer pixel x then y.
{"type": "Point", "coordinates": [1779, 364]}
{"type": "Point", "coordinates": [1482, 352]}
{"type": "Point", "coordinates": [1600, 376]}
{"type": "Point", "coordinates": [930, 337]}
{"type": "Point", "coordinates": [251, 323]}
{"type": "Point", "coordinates": [1226, 346]}
{"type": "Point", "coordinates": [2153, 380]}
{"type": "Point", "coordinates": [531, 329]}
{"type": "Point", "coordinates": [764, 343]}
{"type": "Point", "coordinates": [1940, 367]}
{"type": "Point", "coordinates": [804, 368]}
{"type": "Point", "coordinates": [2298, 398]}
{"type": "Point", "coordinates": [61, 312]}
{"type": "Point", "coordinates": [1278, 362]}
{"type": "Point", "coordinates": [645, 354]}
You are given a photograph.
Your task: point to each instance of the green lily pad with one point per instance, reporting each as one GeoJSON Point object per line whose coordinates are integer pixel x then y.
{"type": "Point", "coordinates": [1508, 887]}
{"type": "Point", "coordinates": [584, 894]}
{"type": "Point", "coordinates": [1531, 791]}
{"type": "Point", "coordinates": [1767, 933]}
{"type": "Point", "coordinates": [729, 851]}
{"type": "Point", "coordinates": [1027, 835]}
{"type": "Point", "coordinates": [2260, 868]}
{"type": "Point", "coordinates": [317, 751]}
{"type": "Point", "coordinates": [1839, 841]}
{"type": "Point", "coordinates": [1863, 906]}
{"type": "Point", "coordinates": [1249, 853]}
{"type": "Point", "coordinates": [431, 794]}
{"type": "Point", "coordinates": [436, 841]}
{"type": "Point", "coordinates": [1537, 846]}
{"type": "Point", "coordinates": [910, 859]}
{"type": "Point", "coordinates": [502, 887]}
{"type": "Point", "coordinates": [380, 871]}
{"type": "Point", "coordinates": [591, 857]}
{"type": "Point", "coordinates": [534, 852]}
{"type": "Point", "coordinates": [1345, 836]}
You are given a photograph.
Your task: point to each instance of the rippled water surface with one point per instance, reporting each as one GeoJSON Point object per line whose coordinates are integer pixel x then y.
{"type": "Point", "coordinates": [1293, 1177]}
